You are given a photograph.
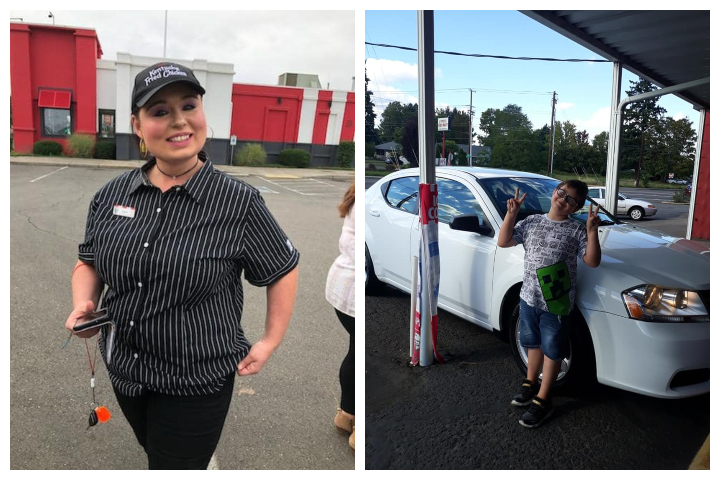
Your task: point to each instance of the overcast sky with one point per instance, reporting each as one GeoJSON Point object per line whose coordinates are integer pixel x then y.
{"type": "Point", "coordinates": [260, 45]}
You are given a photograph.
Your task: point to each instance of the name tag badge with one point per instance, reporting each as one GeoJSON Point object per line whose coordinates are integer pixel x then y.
{"type": "Point", "coordinates": [124, 211]}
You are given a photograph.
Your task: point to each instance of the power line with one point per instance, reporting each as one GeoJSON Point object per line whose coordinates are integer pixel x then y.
{"type": "Point", "coordinates": [504, 57]}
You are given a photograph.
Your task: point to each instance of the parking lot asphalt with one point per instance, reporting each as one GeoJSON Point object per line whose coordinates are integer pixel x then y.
{"type": "Point", "coordinates": [458, 415]}
{"type": "Point", "coordinates": [278, 419]}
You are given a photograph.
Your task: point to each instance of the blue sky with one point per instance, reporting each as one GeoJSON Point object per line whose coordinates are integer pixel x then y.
{"type": "Point", "coordinates": [583, 89]}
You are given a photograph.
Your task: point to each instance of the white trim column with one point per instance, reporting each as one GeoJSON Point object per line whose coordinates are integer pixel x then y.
{"type": "Point", "coordinates": [335, 120]}
{"type": "Point", "coordinates": [307, 115]}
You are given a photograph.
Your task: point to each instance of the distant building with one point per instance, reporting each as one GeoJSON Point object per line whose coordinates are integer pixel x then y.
{"type": "Point", "coordinates": [61, 85]}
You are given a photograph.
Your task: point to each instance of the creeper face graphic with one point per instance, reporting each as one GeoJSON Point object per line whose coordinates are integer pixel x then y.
{"type": "Point", "coordinates": [555, 284]}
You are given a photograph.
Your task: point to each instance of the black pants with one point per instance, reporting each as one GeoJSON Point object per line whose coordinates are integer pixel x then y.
{"type": "Point", "coordinates": [178, 432]}
{"type": "Point", "coordinates": [347, 369]}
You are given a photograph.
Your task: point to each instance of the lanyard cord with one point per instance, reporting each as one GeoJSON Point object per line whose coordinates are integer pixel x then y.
{"type": "Point", "coordinates": [92, 367]}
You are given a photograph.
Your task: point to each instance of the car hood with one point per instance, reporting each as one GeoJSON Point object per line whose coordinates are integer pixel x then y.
{"type": "Point", "coordinates": [654, 257]}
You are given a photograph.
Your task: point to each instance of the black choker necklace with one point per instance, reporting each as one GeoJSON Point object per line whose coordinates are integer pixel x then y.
{"type": "Point", "coordinates": [178, 175]}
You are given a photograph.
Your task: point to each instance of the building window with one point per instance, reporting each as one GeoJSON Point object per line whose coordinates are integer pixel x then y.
{"type": "Point", "coordinates": [106, 127]}
{"type": "Point", "coordinates": [57, 122]}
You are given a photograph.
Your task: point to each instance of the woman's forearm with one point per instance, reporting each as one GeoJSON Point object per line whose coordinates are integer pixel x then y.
{"type": "Point", "coordinates": [86, 285]}
{"type": "Point", "coordinates": [280, 304]}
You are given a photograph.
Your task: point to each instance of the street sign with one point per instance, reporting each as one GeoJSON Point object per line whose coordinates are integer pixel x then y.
{"type": "Point", "coordinates": [443, 124]}
{"type": "Point", "coordinates": [450, 158]}
{"type": "Point", "coordinates": [233, 140]}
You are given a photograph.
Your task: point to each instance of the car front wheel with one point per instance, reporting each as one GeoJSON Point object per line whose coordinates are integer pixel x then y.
{"type": "Point", "coordinates": [636, 213]}
{"type": "Point", "coordinates": [578, 367]}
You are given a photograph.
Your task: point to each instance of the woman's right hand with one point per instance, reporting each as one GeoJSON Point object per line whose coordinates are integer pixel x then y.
{"type": "Point", "coordinates": [75, 317]}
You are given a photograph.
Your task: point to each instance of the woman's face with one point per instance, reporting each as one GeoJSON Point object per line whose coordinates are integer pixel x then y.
{"type": "Point", "coordinates": [172, 123]}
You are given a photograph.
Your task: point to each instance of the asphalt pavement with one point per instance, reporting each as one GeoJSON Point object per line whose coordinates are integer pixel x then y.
{"type": "Point", "coordinates": [278, 419]}
{"type": "Point", "coordinates": [458, 415]}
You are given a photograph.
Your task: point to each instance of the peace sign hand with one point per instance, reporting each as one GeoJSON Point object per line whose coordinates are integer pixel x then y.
{"type": "Point", "coordinates": [513, 204]}
{"type": "Point", "coordinates": [592, 219]}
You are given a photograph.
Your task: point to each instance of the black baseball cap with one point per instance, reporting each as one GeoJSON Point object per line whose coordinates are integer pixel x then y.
{"type": "Point", "coordinates": [155, 77]}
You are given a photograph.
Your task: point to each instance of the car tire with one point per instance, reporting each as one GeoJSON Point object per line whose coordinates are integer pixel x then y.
{"type": "Point", "coordinates": [578, 368]}
{"type": "Point", "coordinates": [372, 284]}
{"type": "Point", "coordinates": [636, 213]}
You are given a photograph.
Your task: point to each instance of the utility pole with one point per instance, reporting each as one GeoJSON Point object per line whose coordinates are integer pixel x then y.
{"type": "Point", "coordinates": [551, 145]}
{"type": "Point", "coordinates": [470, 114]}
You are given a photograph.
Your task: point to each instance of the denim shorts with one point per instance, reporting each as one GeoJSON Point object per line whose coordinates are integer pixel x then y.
{"type": "Point", "coordinates": [541, 329]}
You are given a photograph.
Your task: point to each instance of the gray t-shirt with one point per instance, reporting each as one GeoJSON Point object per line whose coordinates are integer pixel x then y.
{"type": "Point", "coordinates": [551, 249]}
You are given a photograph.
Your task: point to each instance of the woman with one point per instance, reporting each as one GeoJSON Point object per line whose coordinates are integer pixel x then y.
{"type": "Point", "coordinates": [340, 292]}
{"type": "Point", "coordinates": [170, 241]}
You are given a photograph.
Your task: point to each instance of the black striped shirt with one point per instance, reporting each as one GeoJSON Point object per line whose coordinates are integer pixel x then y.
{"type": "Point", "coordinates": [173, 270]}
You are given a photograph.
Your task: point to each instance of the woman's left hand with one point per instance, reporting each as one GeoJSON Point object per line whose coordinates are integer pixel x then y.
{"type": "Point", "coordinates": [255, 359]}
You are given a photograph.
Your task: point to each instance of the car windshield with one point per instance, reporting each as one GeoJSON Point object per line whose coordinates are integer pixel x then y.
{"type": "Point", "coordinates": [539, 194]}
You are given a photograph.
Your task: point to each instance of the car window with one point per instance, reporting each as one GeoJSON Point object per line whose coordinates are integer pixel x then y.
{"type": "Point", "coordinates": [539, 194]}
{"type": "Point", "coordinates": [402, 193]}
{"type": "Point", "coordinates": [455, 199]}
{"type": "Point", "coordinates": [594, 193]}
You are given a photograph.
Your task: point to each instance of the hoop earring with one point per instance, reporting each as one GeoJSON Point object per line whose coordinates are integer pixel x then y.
{"type": "Point", "coordinates": [212, 135]}
{"type": "Point", "coordinates": [143, 148]}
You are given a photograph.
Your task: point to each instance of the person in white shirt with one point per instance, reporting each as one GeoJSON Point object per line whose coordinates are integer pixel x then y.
{"type": "Point", "coordinates": [340, 292]}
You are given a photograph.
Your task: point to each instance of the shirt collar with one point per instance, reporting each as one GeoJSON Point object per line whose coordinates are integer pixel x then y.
{"type": "Point", "coordinates": [197, 187]}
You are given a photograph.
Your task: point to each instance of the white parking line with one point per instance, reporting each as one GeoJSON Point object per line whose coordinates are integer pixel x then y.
{"type": "Point", "coordinates": [40, 178]}
{"type": "Point", "coordinates": [277, 184]}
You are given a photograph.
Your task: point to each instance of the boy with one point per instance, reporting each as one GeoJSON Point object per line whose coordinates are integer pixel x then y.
{"type": "Point", "coordinates": [552, 241]}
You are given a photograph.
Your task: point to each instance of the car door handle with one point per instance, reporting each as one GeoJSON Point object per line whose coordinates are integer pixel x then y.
{"type": "Point", "coordinates": [374, 213]}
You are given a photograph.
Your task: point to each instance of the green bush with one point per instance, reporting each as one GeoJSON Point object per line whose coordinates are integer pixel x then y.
{"type": "Point", "coordinates": [81, 145]}
{"type": "Point", "coordinates": [47, 147]}
{"type": "Point", "coordinates": [680, 197]}
{"type": "Point", "coordinates": [346, 154]}
{"type": "Point", "coordinates": [294, 157]}
{"type": "Point", "coordinates": [369, 149]}
{"type": "Point", "coordinates": [250, 155]}
{"type": "Point", "coordinates": [105, 149]}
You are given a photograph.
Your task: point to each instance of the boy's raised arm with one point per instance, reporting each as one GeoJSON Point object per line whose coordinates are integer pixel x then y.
{"type": "Point", "coordinates": [592, 252]}
{"type": "Point", "coordinates": [506, 230]}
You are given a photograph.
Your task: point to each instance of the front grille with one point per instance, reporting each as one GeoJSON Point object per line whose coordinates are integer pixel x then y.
{"type": "Point", "coordinates": [690, 377]}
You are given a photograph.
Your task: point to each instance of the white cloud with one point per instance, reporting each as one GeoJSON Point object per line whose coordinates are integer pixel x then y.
{"type": "Point", "coordinates": [388, 72]}
{"type": "Point", "coordinates": [598, 122]}
{"type": "Point", "coordinates": [679, 116]}
{"type": "Point", "coordinates": [564, 106]}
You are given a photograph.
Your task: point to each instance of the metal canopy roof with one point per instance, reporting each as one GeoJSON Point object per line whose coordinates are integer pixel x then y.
{"type": "Point", "coordinates": [664, 47]}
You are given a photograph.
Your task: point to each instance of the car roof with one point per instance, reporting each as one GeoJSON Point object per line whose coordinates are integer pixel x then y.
{"type": "Point", "coordinates": [481, 172]}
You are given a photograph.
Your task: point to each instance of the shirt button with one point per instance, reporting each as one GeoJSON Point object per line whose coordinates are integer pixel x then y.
{"type": "Point", "coordinates": [146, 244]}
{"type": "Point", "coordinates": [139, 284]}
{"type": "Point", "coordinates": [132, 323]}
{"type": "Point", "coordinates": [135, 355]}
{"type": "Point", "coordinates": [177, 189]}
{"type": "Point", "coordinates": [158, 210]}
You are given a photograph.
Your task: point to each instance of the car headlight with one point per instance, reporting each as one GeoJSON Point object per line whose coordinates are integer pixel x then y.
{"type": "Point", "coordinates": [654, 303]}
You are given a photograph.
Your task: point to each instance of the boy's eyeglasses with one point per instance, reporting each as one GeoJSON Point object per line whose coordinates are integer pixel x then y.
{"type": "Point", "coordinates": [568, 199]}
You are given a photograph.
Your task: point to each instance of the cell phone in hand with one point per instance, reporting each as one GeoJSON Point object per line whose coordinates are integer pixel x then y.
{"type": "Point", "coordinates": [92, 320]}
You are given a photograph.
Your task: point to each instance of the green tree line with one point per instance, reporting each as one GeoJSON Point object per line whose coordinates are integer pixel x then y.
{"type": "Point", "coordinates": [653, 145]}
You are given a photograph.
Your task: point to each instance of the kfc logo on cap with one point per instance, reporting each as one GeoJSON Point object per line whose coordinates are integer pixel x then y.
{"type": "Point", "coordinates": [163, 71]}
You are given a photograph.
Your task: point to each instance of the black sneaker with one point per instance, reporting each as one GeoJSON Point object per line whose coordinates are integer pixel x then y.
{"type": "Point", "coordinates": [538, 412]}
{"type": "Point", "coordinates": [527, 392]}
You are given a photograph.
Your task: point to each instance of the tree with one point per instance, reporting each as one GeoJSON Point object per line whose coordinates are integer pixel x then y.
{"type": "Point", "coordinates": [410, 141]}
{"type": "Point", "coordinates": [459, 125]}
{"type": "Point", "coordinates": [496, 124]}
{"type": "Point", "coordinates": [370, 133]}
{"type": "Point", "coordinates": [639, 117]}
{"type": "Point", "coordinates": [394, 117]}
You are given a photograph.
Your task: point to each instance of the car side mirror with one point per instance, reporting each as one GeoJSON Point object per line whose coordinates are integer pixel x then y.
{"type": "Point", "coordinates": [470, 223]}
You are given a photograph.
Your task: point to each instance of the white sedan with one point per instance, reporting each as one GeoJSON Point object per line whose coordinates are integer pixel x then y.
{"type": "Point", "coordinates": [634, 208]}
{"type": "Point", "coordinates": [641, 321]}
